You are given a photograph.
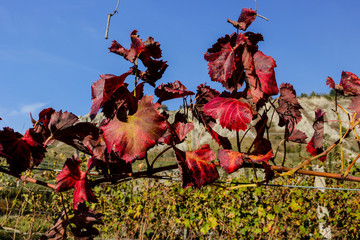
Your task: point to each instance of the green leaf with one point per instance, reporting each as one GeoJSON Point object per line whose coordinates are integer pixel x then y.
{"type": "Point", "coordinates": [261, 212]}
{"type": "Point", "coordinates": [294, 205]}
{"type": "Point", "coordinates": [205, 228]}
{"type": "Point", "coordinates": [212, 222]}
{"type": "Point", "coordinates": [187, 223]}
{"type": "Point", "coordinates": [257, 231]}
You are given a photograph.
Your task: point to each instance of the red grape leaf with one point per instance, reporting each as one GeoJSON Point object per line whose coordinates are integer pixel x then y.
{"type": "Point", "coordinates": [259, 158]}
{"type": "Point", "coordinates": [233, 114]}
{"type": "Point", "coordinates": [37, 150]}
{"type": "Point", "coordinates": [148, 52]}
{"type": "Point", "coordinates": [269, 173]}
{"type": "Point", "coordinates": [261, 126]}
{"type": "Point", "coordinates": [58, 231]}
{"type": "Point", "coordinates": [186, 177]}
{"type": "Point", "coordinates": [221, 58]}
{"type": "Point", "coordinates": [41, 130]}
{"type": "Point", "coordinates": [247, 16]}
{"type": "Point", "coordinates": [20, 150]}
{"type": "Point", "coordinates": [71, 176]}
{"type": "Point", "coordinates": [297, 136]}
{"type": "Point", "coordinates": [223, 141]}
{"type": "Point", "coordinates": [202, 170]}
{"type": "Point", "coordinates": [176, 133]}
{"type": "Point", "coordinates": [96, 146]}
{"type": "Point", "coordinates": [61, 120]}
{"type": "Point", "coordinates": [182, 129]}
{"type": "Point", "coordinates": [314, 151]}
{"type": "Point", "coordinates": [155, 70]}
{"type": "Point", "coordinates": [152, 51]}
{"type": "Point", "coordinates": [116, 166]}
{"type": "Point", "coordinates": [121, 104]}
{"type": "Point", "coordinates": [330, 82]}
{"type": "Point", "coordinates": [103, 89]}
{"type": "Point", "coordinates": [289, 106]}
{"type": "Point", "coordinates": [203, 95]}
{"type": "Point", "coordinates": [315, 145]}
{"type": "Point", "coordinates": [254, 84]}
{"type": "Point", "coordinates": [44, 117]}
{"type": "Point", "coordinates": [142, 130]}
{"type": "Point", "coordinates": [261, 144]}
{"type": "Point", "coordinates": [171, 90]}
{"type": "Point", "coordinates": [350, 83]}
{"type": "Point", "coordinates": [75, 135]}
{"type": "Point", "coordinates": [231, 160]}
{"type": "Point", "coordinates": [319, 128]}
{"type": "Point", "coordinates": [64, 126]}
{"type": "Point", "coordinates": [355, 106]}
{"type": "Point", "coordinates": [84, 220]}
{"type": "Point", "coordinates": [264, 66]}
{"type": "Point", "coordinates": [137, 46]}
{"type": "Point", "coordinates": [83, 192]}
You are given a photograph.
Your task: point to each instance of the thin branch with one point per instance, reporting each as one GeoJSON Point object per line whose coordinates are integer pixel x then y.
{"type": "Point", "coordinates": [238, 141]}
{"type": "Point", "coordinates": [352, 164]}
{"type": "Point", "coordinates": [159, 155]}
{"type": "Point", "coordinates": [284, 157]}
{"type": "Point", "coordinates": [28, 179]}
{"type": "Point", "coordinates": [277, 149]}
{"type": "Point", "coordinates": [242, 138]}
{"type": "Point", "coordinates": [136, 74]}
{"type": "Point", "coordinates": [131, 176]}
{"type": "Point", "coordinates": [315, 173]}
{"type": "Point", "coordinates": [341, 145]}
{"type": "Point", "coordinates": [260, 16]}
{"type": "Point", "coordinates": [108, 19]}
{"type": "Point", "coordinates": [200, 136]}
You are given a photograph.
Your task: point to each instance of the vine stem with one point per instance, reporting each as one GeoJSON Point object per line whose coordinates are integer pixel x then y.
{"type": "Point", "coordinates": [200, 136]}
{"type": "Point", "coordinates": [301, 171]}
{"type": "Point", "coordinates": [242, 138]}
{"type": "Point", "coordinates": [63, 205]}
{"type": "Point", "coordinates": [277, 149]}
{"type": "Point", "coordinates": [238, 141]}
{"type": "Point", "coordinates": [309, 160]}
{"type": "Point", "coordinates": [28, 179]}
{"type": "Point", "coordinates": [284, 157]}
{"type": "Point", "coordinates": [350, 166]}
{"type": "Point", "coordinates": [158, 156]}
{"type": "Point", "coordinates": [355, 133]}
{"type": "Point", "coordinates": [136, 74]}
{"type": "Point", "coordinates": [341, 145]}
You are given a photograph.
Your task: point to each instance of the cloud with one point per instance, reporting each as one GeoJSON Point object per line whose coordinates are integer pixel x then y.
{"type": "Point", "coordinates": [26, 109]}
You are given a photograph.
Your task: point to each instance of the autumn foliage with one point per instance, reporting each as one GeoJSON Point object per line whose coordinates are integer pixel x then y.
{"type": "Point", "coordinates": [133, 124]}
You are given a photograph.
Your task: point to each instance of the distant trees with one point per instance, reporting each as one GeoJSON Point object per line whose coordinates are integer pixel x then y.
{"type": "Point", "coordinates": [164, 107]}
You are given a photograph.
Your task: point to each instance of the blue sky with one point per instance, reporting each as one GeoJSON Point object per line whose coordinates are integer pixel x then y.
{"type": "Point", "coordinates": [52, 51]}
